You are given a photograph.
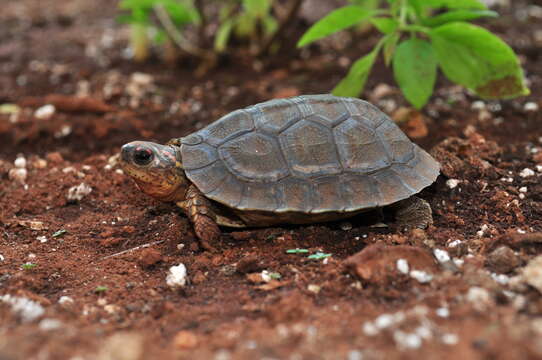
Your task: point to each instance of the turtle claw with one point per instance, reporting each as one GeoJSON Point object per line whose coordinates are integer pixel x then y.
{"type": "Point", "coordinates": [414, 213]}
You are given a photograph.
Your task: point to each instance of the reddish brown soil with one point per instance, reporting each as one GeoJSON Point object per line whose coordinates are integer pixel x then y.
{"type": "Point", "coordinates": [349, 306]}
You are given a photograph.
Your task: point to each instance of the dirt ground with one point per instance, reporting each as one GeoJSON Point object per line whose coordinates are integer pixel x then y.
{"type": "Point", "coordinates": [84, 255]}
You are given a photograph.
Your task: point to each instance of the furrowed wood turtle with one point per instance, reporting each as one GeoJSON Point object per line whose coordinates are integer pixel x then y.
{"type": "Point", "coordinates": [299, 160]}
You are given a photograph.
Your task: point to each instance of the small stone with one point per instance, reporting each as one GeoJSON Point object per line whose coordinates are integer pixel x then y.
{"type": "Point", "coordinates": [441, 255]}
{"type": "Point", "coordinates": [20, 162]}
{"type": "Point", "coordinates": [384, 321]}
{"type": "Point", "coordinates": [177, 277]}
{"type": "Point", "coordinates": [421, 276]}
{"type": "Point", "coordinates": [77, 193]}
{"type": "Point", "coordinates": [530, 106]}
{"type": "Point", "coordinates": [65, 300]}
{"type": "Point", "coordinates": [54, 157]}
{"type": "Point", "coordinates": [28, 310]}
{"type": "Point", "coordinates": [370, 329]}
{"type": "Point", "coordinates": [532, 273]}
{"type": "Point", "coordinates": [407, 340]}
{"type": "Point", "coordinates": [523, 189]}
{"type": "Point", "coordinates": [402, 266]}
{"type": "Point", "coordinates": [443, 312]}
{"type": "Point", "coordinates": [452, 183]}
{"type": "Point", "coordinates": [346, 226]}
{"type": "Point", "coordinates": [39, 163]}
{"type": "Point", "coordinates": [450, 339]}
{"type": "Point", "coordinates": [314, 288]}
{"type": "Point", "coordinates": [502, 260]}
{"type": "Point", "coordinates": [249, 264]}
{"type": "Point", "coordinates": [526, 173]}
{"type": "Point", "coordinates": [149, 257]}
{"type": "Point", "coordinates": [42, 239]}
{"type": "Point", "coordinates": [479, 297]}
{"type": "Point", "coordinates": [18, 174]}
{"type": "Point", "coordinates": [184, 340]}
{"type": "Point", "coordinates": [478, 105]}
{"type": "Point", "coordinates": [50, 324]}
{"type": "Point", "coordinates": [45, 112]}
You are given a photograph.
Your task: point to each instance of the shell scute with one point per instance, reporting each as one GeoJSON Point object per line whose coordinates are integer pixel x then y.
{"type": "Point", "coordinates": [308, 154]}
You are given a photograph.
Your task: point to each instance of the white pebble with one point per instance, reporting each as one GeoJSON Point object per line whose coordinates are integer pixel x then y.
{"type": "Point", "coordinates": [384, 321]}
{"type": "Point", "coordinates": [421, 276]}
{"type": "Point", "coordinates": [532, 273]}
{"type": "Point", "coordinates": [2, 257]}
{"type": "Point", "coordinates": [443, 312]}
{"type": "Point", "coordinates": [42, 239]}
{"type": "Point", "coordinates": [441, 255]}
{"type": "Point", "coordinates": [478, 105]}
{"type": "Point", "coordinates": [25, 308]}
{"type": "Point", "coordinates": [45, 112]}
{"type": "Point", "coordinates": [539, 168]}
{"type": "Point", "coordinates": [406, 340]}
{"type": "Point", "coordinates": [500, 278]}
{"type": "Point", "coordinates": [526, 173]}
{"type": "Point", "coordinates": [402, 266]}
{"type": "Point", "coordinates": [454, 243]}
{"type": "Point", "coordinates": [452, 183]}
{"type": "Point", "coordinates": [530, 106]}
{"type": "Point", "coordinates": [50, 324]}
{"type": "Point", "coordinates": [18, 174]}
{"type": "Point", "coordinates": [78, 192]}
{"type": "Point", "coordinates": [479, 296]}
{"type": "Point", "coordinates": [523, 189]}
{"type": "Point", "coordinates": [176, 277]}
{"type": "Point", "coordinates": [450, 339]}
{"type": "Point", "coordinates": [458, 262]}
{"type": "Point", "coordinates": [370, 329]}
{"type": "Point", "coordinates": [482, 230]}
{"type": "Point", "coordinates": [20, 162]}
{"type": "Point", "coordinates": [521, 231]}
{"type": "Point", "coordinates": [64, 300]}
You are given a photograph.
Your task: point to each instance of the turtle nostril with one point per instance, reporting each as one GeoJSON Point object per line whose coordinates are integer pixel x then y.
{"type": "Point", "coordinates": [142, 156]}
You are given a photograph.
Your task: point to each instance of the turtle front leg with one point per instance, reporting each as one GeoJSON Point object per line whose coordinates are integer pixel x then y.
{"type": "Point", "coordinates": [414, 212]}
{"type": "Point", "coordinates": [200, 212]}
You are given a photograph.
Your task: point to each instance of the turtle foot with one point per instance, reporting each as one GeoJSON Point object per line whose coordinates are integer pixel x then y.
{"type": "Point", "coordinates": [414, 212]}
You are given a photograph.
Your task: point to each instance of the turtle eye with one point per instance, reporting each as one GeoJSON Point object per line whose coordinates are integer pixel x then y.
{"type": "Point", "coordinates": [143, 156]}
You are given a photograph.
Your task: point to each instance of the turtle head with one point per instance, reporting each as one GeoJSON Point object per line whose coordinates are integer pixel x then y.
{"type": "Point", "coordinates": [156, 169]}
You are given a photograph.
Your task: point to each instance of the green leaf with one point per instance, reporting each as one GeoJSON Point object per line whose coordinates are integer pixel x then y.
{"type": "Point", "coordinates": [389, 47]}
{"type": "Point", "coordinates": [384, 25]}
{"type": "Point", "coordinates": [475, 58]}
{"type": "Point", "coordinates": [353, 83]}
{"type": "Point", "coordinates": [457, 15]}
{"type": "Point", "coordinates": [59, 233]}
{"type": "Point", "coordinates": [333, 22]}
{"type": "Point", "coordinates": [270, 25]}
{"type": "Point", "coordinates": [318, 256]}
{"type": "Point", "coordinates": [257, 8]}
{"type": "Point", "coordinates": [223, 35]}
{"type": "Point", "coordinates": [451, 4]}
{"type": "Point", "coordinates": [415, 70]}
{"type": "Point", "coordinates": [296, 251]}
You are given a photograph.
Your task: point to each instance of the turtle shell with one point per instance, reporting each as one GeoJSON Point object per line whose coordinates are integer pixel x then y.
{"type": "Point", "coordinates": [307, 154]}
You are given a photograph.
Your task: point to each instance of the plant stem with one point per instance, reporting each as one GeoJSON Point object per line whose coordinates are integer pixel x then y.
{"type": "Point", "coordinates": [176, 35]}
{"type": "Point", "coordinates": [290, 17]}
{"type": "Point", "coordinates": [139, 42]}
{"type": "Point", "coordinates": [203, 20]}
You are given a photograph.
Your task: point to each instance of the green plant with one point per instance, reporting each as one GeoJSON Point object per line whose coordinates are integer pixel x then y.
{"type": "Point", "coordinates": [420, 36]}
{"type": "Point", "coordinates": [100, 289]}
{"type": "Point", "coordinates": [172, 15]}
{"type": "Point", "coordinates": [28, 266]}
{"type": "Point", "coordinates": [250, 19]}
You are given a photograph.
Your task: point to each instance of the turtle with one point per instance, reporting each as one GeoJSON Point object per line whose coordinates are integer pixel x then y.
{"type": "Point", "coordinates": [298, 160]}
